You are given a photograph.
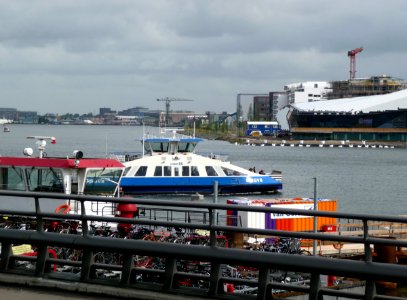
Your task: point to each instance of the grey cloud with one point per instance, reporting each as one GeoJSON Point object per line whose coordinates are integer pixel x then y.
{"type": "Point", "coordinates": [99, 52]}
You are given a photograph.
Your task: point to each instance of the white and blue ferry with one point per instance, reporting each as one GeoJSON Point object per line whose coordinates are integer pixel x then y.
{"type": "Point", "coordinates": [169, 165]}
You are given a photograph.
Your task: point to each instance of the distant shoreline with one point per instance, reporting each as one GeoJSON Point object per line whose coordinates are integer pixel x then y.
{"type": "Point", "coordinates": [271, 141]}
{"type": "Point", "coordinates": [267, 140]}
{"type": "Point", "coordinates": [320, 143]}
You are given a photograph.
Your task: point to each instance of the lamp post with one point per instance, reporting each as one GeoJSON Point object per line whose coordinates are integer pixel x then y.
{"type": "Point", "coordinates": [314, 245]}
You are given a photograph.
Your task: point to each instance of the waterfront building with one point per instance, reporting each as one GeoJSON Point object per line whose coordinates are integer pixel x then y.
{"type": "Point", "coordinates": [265, 108]}
{"type": "Point", "coordinates": [180, 117]}
{"type": "Point", "coordinates": [309, 91]}
{"type": "Point", "coordinates": [27, 117]}
{"type": "Point", "coordinates": [262, 107]}
{"type": "Point", "coordinates": [268, 108]}
{"type": "Point", "coordinates": [279, 100]}
{"type": "Point", "coordinates": [106, 111]}
{"type": "Point", "coordinates": [8, 113]}
{"type": "Point", "coordinates": [134, 111]}
{"type": "Point", "coordinates": [378, 117]}
{"type": "Point", "coordinates": [23, 117]}
{"type": "Point", "coordinates": [357, 87]}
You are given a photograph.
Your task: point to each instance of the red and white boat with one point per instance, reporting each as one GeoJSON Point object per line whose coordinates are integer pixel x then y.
{"type": "Point", "coordinates": [73, 174]}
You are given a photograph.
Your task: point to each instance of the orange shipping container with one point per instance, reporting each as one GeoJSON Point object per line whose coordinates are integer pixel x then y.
{"type": "Point", "coordinates": [281, 221]}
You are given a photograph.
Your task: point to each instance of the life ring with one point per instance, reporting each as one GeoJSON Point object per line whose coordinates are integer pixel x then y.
{"type": "Point", "coordinates": [63, 209]}
{"type": "Point", "coordinates": [338, 246]}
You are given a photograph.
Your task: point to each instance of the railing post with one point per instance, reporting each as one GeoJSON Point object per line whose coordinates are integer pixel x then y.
{"type": "Point", "coordinates": [127, 267]}
{"type": "Point", "coordinates": [315, 285]}
{"type": "Point", "coordinates": [212, 233]}
{"type": "Point", "coordinates": [170, 269]}
{"type": "Point", "coordinates": [370, 290]}
{"type": "Point", "coordinates": [87, 260]}
{"type": "Point", "coordinates": [87, 256]}
{"type": "Point", "coordinates": [42, 254]}
{"type": "Point", "coordinates": [40, 221]}
{"type": "Point", "coordinates": [212, 213]}
{"type": "Point", "coordinates": [85, 228]}
{"type": "Point", "coordinates": [5, 256]}
{"type": "Point", "coordinates": [214, 287]}
{"type": "Point", "coordinates": [368, 251]}
{"type": "Point", "coordinates": [42, 251]}
{"type": "Point", "coordinates": [262, 283]}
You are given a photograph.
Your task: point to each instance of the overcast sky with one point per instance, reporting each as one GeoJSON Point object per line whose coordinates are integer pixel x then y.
{"type": "Point", "coordinates": [79, 55]}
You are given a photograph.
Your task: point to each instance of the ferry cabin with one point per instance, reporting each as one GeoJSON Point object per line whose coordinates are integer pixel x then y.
{"type": "Point", "coordinates": [56, 175]}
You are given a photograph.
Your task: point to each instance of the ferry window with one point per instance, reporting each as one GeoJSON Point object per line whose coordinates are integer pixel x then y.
{"type": "Point", "coordinates": [142, 171]}
{"type": "Point", "coordinates": [210, 171]}
{"type": "Point", "coordinates": [176, 171]}
{"type": "Point", "coordinates": [159, 147]}
{"type": "Point", "coordinates": [126, 171]}
{"type": "Point", "coordinates": [11, 179]}
{"type": "Point", "coordinates": [103, 181]}
{"type": "Point", "coordinates": [158, 171]}
{"type": "Point", "coordinates": [44, 180]}
{"type": "Point", "coordinates": [186, 147]}
{"type": "Point", "coordinates": [229, 172]}
{"type": "Point", "coordinates": [167, 171]}
{"type": "Point", "coordinates": [194, 171]}
{"type": "Point", "coordinates": [185, 171]}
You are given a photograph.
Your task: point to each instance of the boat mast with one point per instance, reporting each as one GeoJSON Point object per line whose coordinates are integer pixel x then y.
{"type": "Point", "coordinates": [144, 137]}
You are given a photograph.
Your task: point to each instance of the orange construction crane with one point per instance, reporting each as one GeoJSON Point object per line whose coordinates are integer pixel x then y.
{"type": "Point", "coordinates": [352, 56]}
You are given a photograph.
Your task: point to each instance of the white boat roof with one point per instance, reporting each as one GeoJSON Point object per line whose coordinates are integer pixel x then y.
{"type": "Point", "coordinates": [173, 139]}
{"type": "Point", "coordinates": [366, 104]}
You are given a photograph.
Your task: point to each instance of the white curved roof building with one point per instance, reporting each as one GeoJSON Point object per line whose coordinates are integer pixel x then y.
{"type": "Point", "coordinates": [392, 101]}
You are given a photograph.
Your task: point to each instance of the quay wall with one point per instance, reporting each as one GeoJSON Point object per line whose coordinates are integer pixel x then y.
{"type": "Point", "coordinates": [320, 143]}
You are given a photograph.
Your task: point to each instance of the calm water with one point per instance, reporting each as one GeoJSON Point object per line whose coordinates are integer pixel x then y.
{"type": "Point", "coordinates": [362, 180]}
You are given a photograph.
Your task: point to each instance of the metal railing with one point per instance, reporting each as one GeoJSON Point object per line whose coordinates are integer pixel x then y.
{"type": "Point", "coordinates": [166, 276]}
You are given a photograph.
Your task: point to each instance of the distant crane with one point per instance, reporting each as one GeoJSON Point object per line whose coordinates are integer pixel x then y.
{"type": "Point", "coordinates": [352, 56]}
{"type": "Point", "coordinates": [168, 100]}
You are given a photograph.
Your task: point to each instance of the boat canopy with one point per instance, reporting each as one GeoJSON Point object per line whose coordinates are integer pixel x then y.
{"type": "Point", "coordinates": [170, 145]}
{"type": "Point", "coordinates": [61, 175]}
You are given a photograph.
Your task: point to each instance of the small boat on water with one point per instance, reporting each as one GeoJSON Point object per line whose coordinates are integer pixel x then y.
{"type": "Point", "coordinates": [169, 165]}
{"type": "Point", "coordinates": [71, 174]}
{"type": "Point", "coordinates": [6, 129]}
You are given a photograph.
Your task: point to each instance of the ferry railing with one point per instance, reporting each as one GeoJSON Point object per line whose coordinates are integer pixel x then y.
{"type": "Point", "coordinates": [167, 278]}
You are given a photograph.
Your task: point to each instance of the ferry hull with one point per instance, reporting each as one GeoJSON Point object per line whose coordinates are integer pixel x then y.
{"type": "Point", "coordinates": [180, 185]}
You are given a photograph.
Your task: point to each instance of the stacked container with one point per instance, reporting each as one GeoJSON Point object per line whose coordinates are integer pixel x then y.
{"type": "Point", "coordinates": [280, 221]}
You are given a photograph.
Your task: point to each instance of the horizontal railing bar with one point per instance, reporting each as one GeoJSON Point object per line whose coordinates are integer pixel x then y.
{"type": "Point", "coordinates": [206, 206]}
{"type": "Point", "coordinates": [347, 268]}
